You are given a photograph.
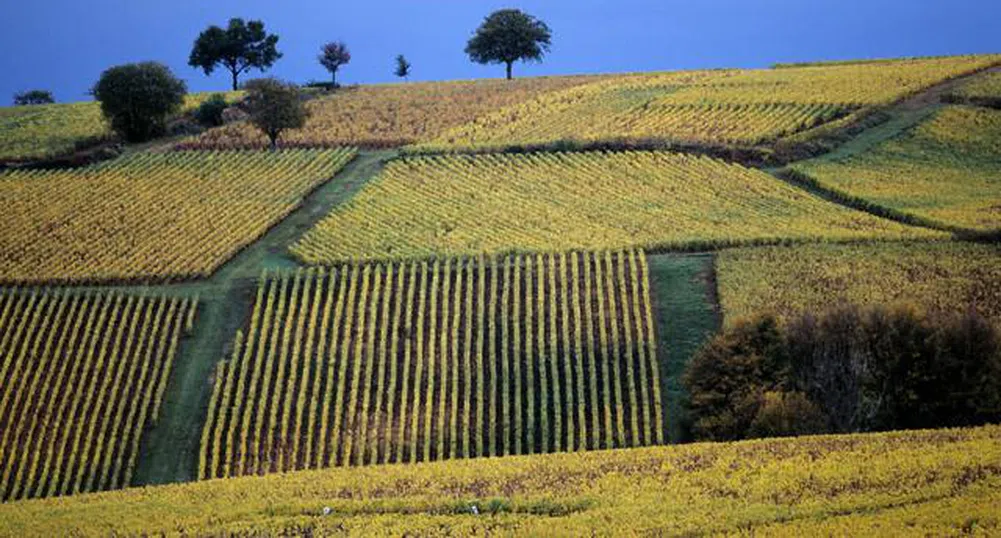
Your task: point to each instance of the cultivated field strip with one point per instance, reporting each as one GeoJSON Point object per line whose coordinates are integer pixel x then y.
{"type": "Point", "coordinates": [81, 375]}
{"type": "Point", "coordinates": [388, 115]}
{"type": "Point", "coordinates": [945, 171]}
{"type": "Point", "coordinates": [727, 106]}
{"type": "Point", "coordinates": [467, 205]}
{"type": "Point", "coordinates": [365, 364]}
{"type": "Point", "coordinates": [150, 215]}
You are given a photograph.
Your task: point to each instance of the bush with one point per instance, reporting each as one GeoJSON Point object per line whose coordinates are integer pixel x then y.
{"type": "Point", "coordinates": [782, 414]}
{"type": "Point", "coordinates": [847, 370]}
{"type": "Point", "coordinates": [729, 376]}
{"type": "Point", "coordinates": [209, 113]}
{"type": "Point", "coordinates": [138, 99]}
{"type": "Point", "coordinates": [33, 97]}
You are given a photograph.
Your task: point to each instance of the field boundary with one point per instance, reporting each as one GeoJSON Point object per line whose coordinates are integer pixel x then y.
{"type": "Point", "coordinates": [169, 450]}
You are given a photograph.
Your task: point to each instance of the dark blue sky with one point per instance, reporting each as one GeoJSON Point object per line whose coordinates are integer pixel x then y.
{"type": "Point", "coordinates": [63, 45]}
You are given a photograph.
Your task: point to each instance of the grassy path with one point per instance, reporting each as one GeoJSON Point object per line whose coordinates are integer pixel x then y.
{"type": "Point", "coordinates": [686, 312]}
{"type": "Point", "coordinates": [169, 450]}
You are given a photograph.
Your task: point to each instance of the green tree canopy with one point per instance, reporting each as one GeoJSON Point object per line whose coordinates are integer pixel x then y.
{"type": "Point", "coordinates": [509, 35]}
{"type": "Point", "coordinates": [240, 47]}
{"type": "Point", "coordinates": [33, 97]}
{"type": "Point", "coordinates": [138, 99]}
{"type": "Point", "coordinates": [275, 106]}
{"type": "Point", "coordinates": [402, 66]}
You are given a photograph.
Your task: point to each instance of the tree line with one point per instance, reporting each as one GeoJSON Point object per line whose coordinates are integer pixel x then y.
{"type": "Point", "coordinates": [139, 99]}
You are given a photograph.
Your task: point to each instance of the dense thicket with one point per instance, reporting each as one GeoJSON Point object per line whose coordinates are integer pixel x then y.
{"type": "Point", "coordinates": [847, 369]}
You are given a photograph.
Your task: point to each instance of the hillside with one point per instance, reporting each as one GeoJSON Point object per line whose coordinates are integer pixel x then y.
{"type": "Point", "coordinates": [446, 294]}
{"type": "Point", "coordinates": [920, 483]}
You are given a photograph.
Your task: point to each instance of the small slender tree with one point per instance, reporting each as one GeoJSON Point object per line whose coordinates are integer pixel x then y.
{"type": "Point", "coordinates": [275, 106]}
{"type": "Point", "coordinates": [332, 56]}
{"type": "Point", "coordinates": [402, 67]}
{"type": "Point", "coordinates": [240, 47]}
{"type": "Point", "coordinates": [33, 97]}
{"type": "Point", "coordinates": [509, 35]}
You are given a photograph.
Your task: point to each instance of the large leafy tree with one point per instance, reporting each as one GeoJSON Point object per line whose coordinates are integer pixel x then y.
{"type": "Point", "coordinates": [332, 56]}
{"type": "Point", "coordinates": [139, 99]}
{"type": "Point", "coordinates": [509, 35]}
{"type": "Point", "coordinates": [275, 106]}
{"type": "Point", "coordinates": [238, 48]}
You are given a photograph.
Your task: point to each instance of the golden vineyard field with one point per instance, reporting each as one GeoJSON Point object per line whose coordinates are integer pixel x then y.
{"type": "Point", "coordinates": [391, 114]}
{"type": "Point", "coordinates": [986, 88]}
{"type": "Point", "coordinates": [149, 216]}
{"type": "Point", "coordinates": [430, 361]}
{"type": "Point", "coordinates": [945, 171]}
{"type": "Point", "coordinates": [82, 375]}
{"type": "Point", "coordinates": [491, 204]}
{"type": "Point", "coordinates": [947, 277]}
{"type": "Point", "coordinates": [43, 131]}
{"type": "Point", "coordinates": [723, 107]}
{"type": "Point", "coordinates": [929, 483]}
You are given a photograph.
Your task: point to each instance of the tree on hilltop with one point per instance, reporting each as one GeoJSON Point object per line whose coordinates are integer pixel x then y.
{"type": "Point", "coordinates": [275, 106]}
{"type": "Point", "coordinates": [402, 67]}
{"type": "Point", "coordinates": [509, 35]}
{"type": "Point", "coordinates": [33, 97]}
{"type": "Point", "coordinates": [332, 56]}
{"type": "Point", "coordinates": [242, 46]}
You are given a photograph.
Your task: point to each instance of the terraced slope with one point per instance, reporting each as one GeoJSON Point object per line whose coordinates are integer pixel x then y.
{"type": "Point", "coordinates": [391, 115]}
{"type": "Point", "coordinates": [945, 171]}
{"type": "Point", "coordinates": [424, 207]}
{"type": "Point", "coordinates": [430, 361]}
{"type": "Point", "coordinates": [149, 216]}
{"type": "Point", "coordinates": [733, 106]}
{"type": "Point", "coordinates": [82, 375]}
{"type": "Point", "coordinates": [36, 132]}
{"type": "Point", "coordinates": [786, 280]}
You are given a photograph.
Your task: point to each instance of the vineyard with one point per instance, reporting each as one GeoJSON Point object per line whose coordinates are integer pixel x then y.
{"type": "Point", "coordinates": [389, 115]}
{"type": "Point", "coordinates": [441, 360]}
{"type": "Point", "coordinates": [493, 204]}
{"type": "Point", "coordinates": [82, 374]}
{"type": "Point", "coordinates": [947, 277]}
{"type": "Point", "coordinates": [45, 131]}
{"type": "Point", "coordinates": [928, 483]}
{"type": "Point", "coordinates": [149, 215]}
{"type": "Point", "coordinates": [945, 171]}
{"type": "Point", "coordinates": [985, 89]}
{"type": "Point", "coordinates": [741, 107]}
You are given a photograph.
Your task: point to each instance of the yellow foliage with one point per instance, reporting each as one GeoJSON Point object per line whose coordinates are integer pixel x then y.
{"type": "Point", "coordinates": [945, 171]}
{"type": "Point", "coordinates": [41, 131]}
{"type": "Point", "coordinates": [987, 86]}
{"type": "Point", "coordinates": [446, 380]}
{"type": "Point", "coordinates": [386, 115]}
{"type": "Point", "coordinates": [466, 205]}
{"type": "Point", "coordinates": [734, 106]}
{"type": "Point", "coordinates": [84, 375]}
{"type": "Point", "coordinates": [149, 215]}
{"type": "Point", "coordinates": [786, 280]}
{"type": "Point", "coordinates": [923, 482]}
